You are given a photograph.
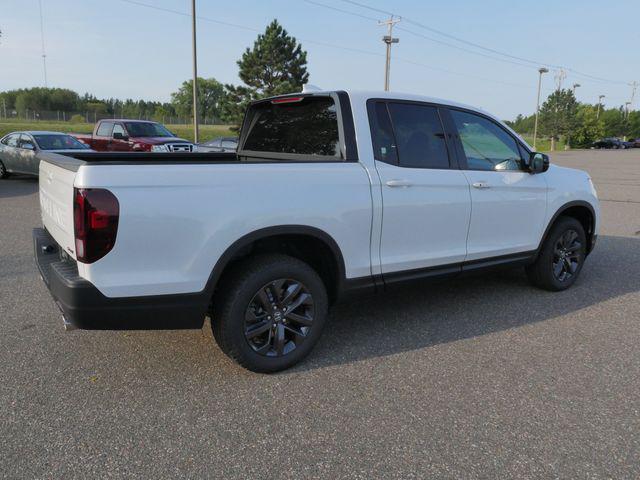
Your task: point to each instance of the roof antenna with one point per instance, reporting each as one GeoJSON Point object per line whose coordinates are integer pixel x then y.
{"type": "Point", "coordinates": [308, 88]}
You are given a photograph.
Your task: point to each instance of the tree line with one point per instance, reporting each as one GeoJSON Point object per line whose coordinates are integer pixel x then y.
{"type": "Point", "coordinates": [580, 124]}
{"type": "Point", "coordinates": [276, 64]}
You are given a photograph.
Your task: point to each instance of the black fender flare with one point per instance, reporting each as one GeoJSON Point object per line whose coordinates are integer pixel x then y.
{"type": "Point", "coordinates": [231, 252]}
{"type": "Point", "coordinates": [560, 211]}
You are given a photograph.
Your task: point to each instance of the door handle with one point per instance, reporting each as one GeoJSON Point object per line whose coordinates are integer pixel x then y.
{"type": "Point", "coordinates": [480, 185]}
{"type": "Point", "coordinates": [398, 183]}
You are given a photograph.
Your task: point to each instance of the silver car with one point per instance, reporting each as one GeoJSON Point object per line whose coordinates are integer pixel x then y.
{"type": "Point", "coordinates": [19, 151]}
{"type": "Point", "coordinates": [220, 144]}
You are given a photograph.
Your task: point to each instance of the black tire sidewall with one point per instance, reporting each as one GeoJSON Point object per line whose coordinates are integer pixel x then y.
{"type": "Point", "coordinates": [254, 277]}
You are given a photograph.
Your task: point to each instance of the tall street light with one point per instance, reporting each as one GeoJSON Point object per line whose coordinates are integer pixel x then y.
{"type": "Point", "coordinates": [535, 128]}
{"type": "Point", "coordinates": [195, 72]}
{"type": "Point", "coordinates": [600, 97]}
{"type": "Point", "coordinates": [575, 85]}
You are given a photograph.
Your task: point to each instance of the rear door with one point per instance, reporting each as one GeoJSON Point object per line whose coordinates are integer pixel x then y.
{"type": "Point", "coordinates": [56, 204]}
{"type": "Point", "coordinates": [102, 137]}
{"type": "Point", "coordinates": [508, 203]}
{"type": "Point", "coordinates": [10, 152]}
{"type": "Point", "coordinates": [426, 201]}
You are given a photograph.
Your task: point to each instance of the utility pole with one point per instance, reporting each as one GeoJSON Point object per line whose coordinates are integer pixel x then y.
{"type": "Point", "coordinates": [44, 55]}
{"type": "Point", "coordinates": [388, 39]}
{"type": "Point", "coordinates": [600, 97]}
{"type": "Point", "coordinates": [535, 128]}
{"type": "Point", "coordinates": [195, 72]}
{"type": "Point", "coordinates": [634, 85]}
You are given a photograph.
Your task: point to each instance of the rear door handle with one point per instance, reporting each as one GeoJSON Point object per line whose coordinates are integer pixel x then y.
{"type": "Point", "coordinates": [480, 185]}
{"type": "Point", "coordinates": [399, 183]}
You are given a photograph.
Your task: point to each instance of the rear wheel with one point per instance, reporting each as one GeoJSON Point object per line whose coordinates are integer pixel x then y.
{"type": "Point", "coordinates": [269, 313]}
{"type": "Point", "coordinates": [3, 170]}
{"type": "Point", "coordinates": [561, 258]}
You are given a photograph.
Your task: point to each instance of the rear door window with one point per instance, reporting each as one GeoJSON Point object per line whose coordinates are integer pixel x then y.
{"type": "Point", "coordinates": [294, 126]}
{"type": "Point", "coordinates": [104, 130]}
{"type": "Point", "coordinates": [419, 136]}
{"type": "Point", "coordinates": [12, 140]}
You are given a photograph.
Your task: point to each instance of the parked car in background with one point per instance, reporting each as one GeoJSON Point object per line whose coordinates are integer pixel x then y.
{"type": "Point", "coordinates": [610, 142]}
{"type": "Point", "coordinates": [328, 193]}
{"type": "Point", "coordinates": [19, 151]}
{"type": "Point", "coordinates": [220, 144]}
{"type": "Point", "coordinates": [133, 136]}
{"type": "Point", "coordinates": [634, 143]}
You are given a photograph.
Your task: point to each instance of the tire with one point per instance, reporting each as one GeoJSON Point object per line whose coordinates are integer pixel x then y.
{"type": "Point", "coordinates": [3, 170]}
{"type": "Point", "coordinates": [252, 322]}
{"type": "Point", "coordinates": [550, 271]}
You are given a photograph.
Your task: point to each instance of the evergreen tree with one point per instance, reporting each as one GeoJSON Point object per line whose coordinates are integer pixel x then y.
{"type": "Point", "coordinates": [558, 115]}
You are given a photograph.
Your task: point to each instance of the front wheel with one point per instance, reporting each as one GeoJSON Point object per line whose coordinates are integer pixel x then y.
{"type": "Point", "coordinates": [561, 257]}
{"type": "Point", "coordinates": [269, 313]}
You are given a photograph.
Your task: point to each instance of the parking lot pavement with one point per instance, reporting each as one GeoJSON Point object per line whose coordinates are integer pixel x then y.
{"type": "Point", "coordinates": [483, 377]}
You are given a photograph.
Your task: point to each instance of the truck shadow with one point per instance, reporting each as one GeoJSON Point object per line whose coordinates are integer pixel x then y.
{"type": "Point", "coordinates": [18, 185]}
{"type": "Point", "coordinates": [423, 315]}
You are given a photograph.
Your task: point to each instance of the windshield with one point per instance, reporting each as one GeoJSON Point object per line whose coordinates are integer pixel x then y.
{"type": "Point", "coordinates": [147, 129]}
{"type": "Point", "coordinates": [59, 142]}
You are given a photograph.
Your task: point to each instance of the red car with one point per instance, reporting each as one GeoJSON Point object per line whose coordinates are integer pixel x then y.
{"type": "Point", "coordinates": [133, 136]}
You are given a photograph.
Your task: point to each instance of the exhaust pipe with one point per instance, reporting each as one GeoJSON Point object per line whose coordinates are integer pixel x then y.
{"type": "Point", "coordinates": [67, 325]}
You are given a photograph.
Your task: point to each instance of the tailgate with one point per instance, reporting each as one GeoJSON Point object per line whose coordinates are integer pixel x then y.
{"type": "Point", "coordinates": [56, 204]}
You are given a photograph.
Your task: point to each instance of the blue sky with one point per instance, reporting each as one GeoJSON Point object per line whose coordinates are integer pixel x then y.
{"type": "Point", "coordinates": [116, 48]}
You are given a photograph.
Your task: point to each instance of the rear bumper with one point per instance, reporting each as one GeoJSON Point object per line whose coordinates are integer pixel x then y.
{"type": "Point", "coordinates": [84, 306]}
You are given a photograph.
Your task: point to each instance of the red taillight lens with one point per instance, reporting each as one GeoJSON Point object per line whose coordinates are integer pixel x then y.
{"type": "Point", "coordinates": [95, 221]}
{"type": "Point", "coordinates": [287, 100]}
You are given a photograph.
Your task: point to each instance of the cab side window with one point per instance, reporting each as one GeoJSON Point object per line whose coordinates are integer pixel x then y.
{"type": "Point", "coordinates": [384, 143]}
{"type": "Point", "coordinates": [486, 145]}
{"type": "Point", "coordinates": [117, 128]}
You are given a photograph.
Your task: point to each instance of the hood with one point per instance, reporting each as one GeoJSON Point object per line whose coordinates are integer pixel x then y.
{"type": "Point", "coordinates": [158, 140]}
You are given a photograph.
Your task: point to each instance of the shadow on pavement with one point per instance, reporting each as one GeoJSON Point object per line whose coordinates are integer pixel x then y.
{"type": "Point", "coordinates": [423, 315]}
{"type": "Point", "coordinates": [18, 185]}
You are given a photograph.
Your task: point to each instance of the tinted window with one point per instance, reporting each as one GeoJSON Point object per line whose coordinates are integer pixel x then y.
{"type": "Point", "coordinates": [147, 129]}
{"type": "Point", "coordinates": [59, 142]}
{"type": "Point", "coordinates": [419, 136]}
{"type": "Point", "coordinates": [117, 128]}
{"type": "Point", "coordinates": [104, 130]}
{"type": "Point", "coordinates": [305, 127]}
{"type": "Point", "coordinates": [486, 145]}
{"type": "Point", "coordinates": [384, 144]}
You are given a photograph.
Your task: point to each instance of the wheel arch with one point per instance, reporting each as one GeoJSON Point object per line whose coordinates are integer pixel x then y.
{"type": "Point", "coordinates": [580, 210]}
{"type": "Point", "coordinates": [310, 244]}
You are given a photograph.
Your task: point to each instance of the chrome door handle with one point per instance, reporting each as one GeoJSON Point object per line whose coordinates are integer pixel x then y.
{"type": "Point", "coordinates": [398, 183]}
{"type": "Point", "coordinates": [480, 185]}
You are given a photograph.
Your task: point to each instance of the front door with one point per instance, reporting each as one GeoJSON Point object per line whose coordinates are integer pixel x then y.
{"type": "Point", "coordinates": [426, 201]}
{"type": "Point", "coordinates": [508, 203]}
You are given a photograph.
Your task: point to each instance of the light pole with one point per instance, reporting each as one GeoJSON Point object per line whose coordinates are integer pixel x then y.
{"type": "Point", "coordinates": [535, 128]}
{"type": "Point", "coordinates": [195, 72]}
{"type": "Point", "coordinates": [600, 97]}
{"type": "Point", "coordinates": [575, 85]}
{"type": "Point", "coordinates": [388, 39]}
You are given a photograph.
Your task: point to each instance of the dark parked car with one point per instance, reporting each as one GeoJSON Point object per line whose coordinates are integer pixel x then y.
{"type": "Point", "coordinates": [220, 144]}
{"type": "Point", "coordinates": [19, 151]}
{"type": "Point", "coordinates": [611, 142]}
{"type": "Point", "coordinates": [634, 143]}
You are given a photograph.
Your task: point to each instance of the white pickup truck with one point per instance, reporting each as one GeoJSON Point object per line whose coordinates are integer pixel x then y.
{"type": "Point", "coordinates": [328, 193]}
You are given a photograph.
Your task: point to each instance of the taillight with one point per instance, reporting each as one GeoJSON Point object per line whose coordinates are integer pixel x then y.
{"type": "Point", "coordinates": [95, 222]}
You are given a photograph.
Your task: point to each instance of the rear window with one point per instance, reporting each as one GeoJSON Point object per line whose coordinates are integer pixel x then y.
{"type": "Point", "coordinates": [306, 126]}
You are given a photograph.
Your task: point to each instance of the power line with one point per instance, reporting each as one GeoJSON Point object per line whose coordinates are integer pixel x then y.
{"type": "Point", "coordinates": [482, 47]}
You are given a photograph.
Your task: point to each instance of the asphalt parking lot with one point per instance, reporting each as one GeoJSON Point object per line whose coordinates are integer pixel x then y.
{"type": "Point", "coordinates": [475, 378]}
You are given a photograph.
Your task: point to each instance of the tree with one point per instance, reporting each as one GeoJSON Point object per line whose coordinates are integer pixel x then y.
{"type": "Point", "coordinates": [589, 128]}
{"type": "Point", "coordinates": [210, 95]}
{"type": "Point", "coordinates": [558, 115]}
{"type": "Point", "coordinates": [275, 65]}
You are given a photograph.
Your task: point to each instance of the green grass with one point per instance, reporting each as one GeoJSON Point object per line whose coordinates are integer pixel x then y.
{"type": "Point", "coordinates": [207, 132]}
{"type": "Point", "coordinates": [544, 144]}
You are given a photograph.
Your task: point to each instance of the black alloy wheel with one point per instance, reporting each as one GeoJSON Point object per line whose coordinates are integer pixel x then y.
{"type": "Point", "coordinates": [567, 255]}
{"type": "Point", "coordinates": [279, 317]}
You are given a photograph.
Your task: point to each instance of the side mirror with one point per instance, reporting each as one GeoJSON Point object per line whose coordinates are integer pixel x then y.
{"type": "Point", "coordinates": [538, 162]}
{"type": "Point", "coordinates": [28, 146]}
{"type": "Point", "coordinates": [120, 136]}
